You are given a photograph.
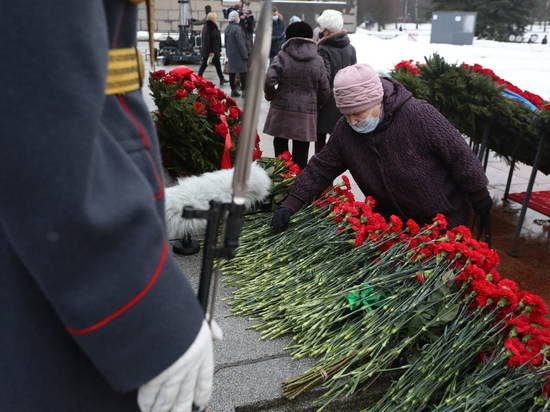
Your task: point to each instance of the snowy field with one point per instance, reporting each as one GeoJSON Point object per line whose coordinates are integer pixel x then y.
{"type": "Point", "coordinates": [525, 65]}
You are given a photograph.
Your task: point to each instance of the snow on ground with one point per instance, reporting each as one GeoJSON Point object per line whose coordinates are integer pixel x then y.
{"type": "Point", "coordinates": [525, 65]}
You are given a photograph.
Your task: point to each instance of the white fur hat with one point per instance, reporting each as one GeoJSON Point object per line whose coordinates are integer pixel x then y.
{"type": "Point", "coordinates": [331, 20]}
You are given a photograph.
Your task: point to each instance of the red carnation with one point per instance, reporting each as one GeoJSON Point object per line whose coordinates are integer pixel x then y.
{"type": "Point", "coordinates": [217, 107]}
{"type": "Point", "coordinates": [177, 77]}
{"type": "Point", "coordinates": [200, 108]}
{"type": "Point", "coordinates": [180, 94]}
{"type": "Point", "coordinates": [208, 92]}
{"type": "Point", "coordinates": [159, 74]}
{"type": "Point", "coordinates": [286, 156]}
{"type": "Point", "coordinates": [200, 83]}
{"type": "Point", "coordinates": [235, 112]}
{"type": "Point", "coordinates": [169, 80]}
{"type": "Point", "coordinates": [256, 154]}
{"type": "Point", "coordinates": [188, 85]}
{"type": "Point", "coordinates": [221, 129]}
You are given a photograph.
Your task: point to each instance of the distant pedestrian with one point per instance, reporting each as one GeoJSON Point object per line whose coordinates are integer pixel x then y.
{"type": "Point", "coordinates": [195, 22]}
{"type": "Point", "coordinates": [294, 19]}
{"type": "Point", "coordinates": [277, 34]}
{"type": "Point", "coordinates": [545, 39]}
{"type": "Point", "coordinates": [211, 46]}
{"type": "Point", "coordinates": [296, 84]}
{"type": "Point", "coordinates": [237, 53]}
{"type": "Point", "coordinates": [248, 24]}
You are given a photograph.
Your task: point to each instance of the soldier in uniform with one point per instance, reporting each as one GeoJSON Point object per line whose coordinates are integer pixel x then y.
{"type": "Point", "coordinates": [96, 315]}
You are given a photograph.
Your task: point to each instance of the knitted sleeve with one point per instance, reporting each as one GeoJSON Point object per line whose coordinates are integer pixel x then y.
{"type": "Point", "coordinates": [272, 78]}
{"type": "Point", "coordinates": [447, 144]}
{"type": "Point", "coordinates": [320, 172]}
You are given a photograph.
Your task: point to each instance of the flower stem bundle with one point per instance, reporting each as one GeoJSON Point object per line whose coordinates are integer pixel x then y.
{"type": "Point", "coordinates": [365, 295]}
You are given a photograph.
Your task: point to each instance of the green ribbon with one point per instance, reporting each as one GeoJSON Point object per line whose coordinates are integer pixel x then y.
{"type": "Point", "coordinates": [365, 298]}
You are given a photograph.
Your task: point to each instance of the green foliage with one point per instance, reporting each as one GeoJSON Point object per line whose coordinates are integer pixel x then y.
{"type": "Point", "coordinates": [473, 103]}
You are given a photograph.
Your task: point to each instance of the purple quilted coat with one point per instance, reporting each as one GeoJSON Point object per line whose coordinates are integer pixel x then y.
{"type": "Point", "coordinates": [296, 84]}
{"type": "Point", "coordinates": [415, 163]}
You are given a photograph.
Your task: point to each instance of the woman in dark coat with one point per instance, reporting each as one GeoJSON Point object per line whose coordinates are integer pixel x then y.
{"type": "Point", "coordinates": [237, 53]}
{"type": "Point", "coordinates": [296, 85]}
{"type": "Point", "coordinates": [211, 46]}
{"type": "Point", "coordinates": [399, 149]}
{"type": "Point", "coordinates": [337, 52]}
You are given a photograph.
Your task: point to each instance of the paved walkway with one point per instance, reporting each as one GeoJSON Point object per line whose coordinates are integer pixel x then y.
{"type": "Point", "coordinates": [249, 372]}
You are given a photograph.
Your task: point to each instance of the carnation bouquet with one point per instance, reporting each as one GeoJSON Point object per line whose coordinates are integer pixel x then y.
{"type": "Point", "coordinates": [283, 172]}
{"type": "Point", "coordinates": [366, 295]}
{"type": "Point", "coordinates": [198, 124]}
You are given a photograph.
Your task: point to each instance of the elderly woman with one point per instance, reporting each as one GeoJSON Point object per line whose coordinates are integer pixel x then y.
{"type": "Point", "coordinates": [237, 53]}
{"type": "Point", "coordinates": [337, 52]}
{"type": "Point", "coordinates": [399, 149]}
{"type": "Point", "coordinates": [296, 85]}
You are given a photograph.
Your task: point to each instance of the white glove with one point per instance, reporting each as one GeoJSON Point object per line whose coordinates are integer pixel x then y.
{"type": "Point", "coordinates": [186, 382]}
{"type": "Point", "coordinates": [217, 332]}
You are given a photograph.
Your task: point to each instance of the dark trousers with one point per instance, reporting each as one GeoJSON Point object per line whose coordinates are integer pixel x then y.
{"type": "Point", "coordinates": [232, 80]}
{"type": "Point", "coordinates": [215, 62]}
{"type": "Point", "coordinates": [320, 143]}
{"type": "Point", "coordinates": [300, 150]}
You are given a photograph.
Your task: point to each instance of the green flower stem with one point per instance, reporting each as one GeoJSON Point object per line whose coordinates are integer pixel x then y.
{"type": "Point", "coordinates": [442, 361]}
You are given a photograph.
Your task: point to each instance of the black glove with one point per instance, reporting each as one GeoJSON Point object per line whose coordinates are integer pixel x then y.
{"type": "Point", "coordinates": [281, 218]}
{"type": "Point", "coordinates": [484, 205]}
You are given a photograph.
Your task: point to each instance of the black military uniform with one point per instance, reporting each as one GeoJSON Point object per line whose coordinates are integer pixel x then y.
{"type": "Point", "coordinates": [92, 303]}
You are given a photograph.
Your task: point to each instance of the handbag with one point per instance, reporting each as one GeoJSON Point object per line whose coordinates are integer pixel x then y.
{"type": "Point", "coordinates": [226, 68]}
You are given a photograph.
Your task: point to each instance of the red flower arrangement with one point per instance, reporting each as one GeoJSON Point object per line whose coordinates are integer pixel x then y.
{"type": "Point", "coordinates": [538, 101]}
{"type": "Point", "coordinates": [532, 97]}
{"type": "Point", "coordinates": [198, 124]}
{"type": "Point", "coordinates": [524, 314]}
{"type": "Point", "coordinates": [408, 64]}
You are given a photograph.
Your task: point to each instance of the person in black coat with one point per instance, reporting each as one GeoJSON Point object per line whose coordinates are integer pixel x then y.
{"type": "Point", "coordinates": [211, 46]}
{"type": "Point", "coordinates": [337, 52]}
{"type": "Point", "coordinates": [96, 312]}
{"type": "Point", "coordinates": [277, 34]}
{"type": "Point", "coordinates": [249, 25]}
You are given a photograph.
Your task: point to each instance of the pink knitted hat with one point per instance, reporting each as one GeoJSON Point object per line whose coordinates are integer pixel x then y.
{"type": "Point", "coordinates": [357, 88]}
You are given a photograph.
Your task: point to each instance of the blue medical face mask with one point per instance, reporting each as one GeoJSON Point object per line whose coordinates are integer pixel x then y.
{"type": "Point", "coordinates": [365, 126]}
{"type": "Point", "coordinates": [275, 18]}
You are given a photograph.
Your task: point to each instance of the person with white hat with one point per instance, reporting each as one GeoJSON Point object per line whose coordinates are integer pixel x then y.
{"type": "Point", "coordinates": [337, 52]}
{"type": "Point", "coordinates": [399, 150]}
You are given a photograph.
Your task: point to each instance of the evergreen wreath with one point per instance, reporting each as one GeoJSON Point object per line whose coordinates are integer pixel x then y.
{"type": "Point", "coordinates": [472, 99]}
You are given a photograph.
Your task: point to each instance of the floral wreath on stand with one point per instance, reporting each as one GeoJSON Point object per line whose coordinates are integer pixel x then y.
{"type": "Point", "coordinates": [198, 124]}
